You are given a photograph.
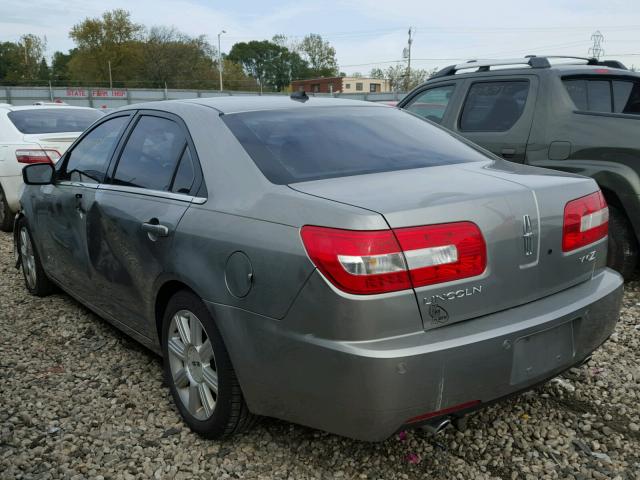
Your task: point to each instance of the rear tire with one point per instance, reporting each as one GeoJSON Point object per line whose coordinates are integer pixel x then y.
{"type": "Point", "coordinates": [6, 217]}
{"type": "Point", "coordinates": [35, 279]}
{"type": "Point", "coordinates": [623, 246]}
{"type": "Point", "coordinates": [198, 370]}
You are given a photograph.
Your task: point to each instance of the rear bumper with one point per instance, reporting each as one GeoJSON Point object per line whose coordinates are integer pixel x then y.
{"type": "Point", "coordinates": [370, 389]}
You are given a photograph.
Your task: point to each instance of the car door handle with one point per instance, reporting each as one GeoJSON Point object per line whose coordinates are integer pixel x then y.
{"type": "Point", "coordinates": [508, 152]}
{"type": "Point", "coordinates": [155, 229]}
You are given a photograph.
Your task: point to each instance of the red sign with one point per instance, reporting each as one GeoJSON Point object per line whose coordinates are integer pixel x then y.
{"type": "Point", "coordinates": [97, 92]}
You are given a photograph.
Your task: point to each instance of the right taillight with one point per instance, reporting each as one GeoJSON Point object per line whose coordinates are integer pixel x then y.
{"type": "Point", "coordinates": [586, 220]}
{"type": "Point", "coordinates": [444, 252]}
{"type": "Point", "coordinates": [368, 262]}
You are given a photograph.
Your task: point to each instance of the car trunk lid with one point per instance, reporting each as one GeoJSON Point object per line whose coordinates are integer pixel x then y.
{"type": "Point", "coordinates": [518, 209]}
{"type": "Point", "coordinates": [55, 141]}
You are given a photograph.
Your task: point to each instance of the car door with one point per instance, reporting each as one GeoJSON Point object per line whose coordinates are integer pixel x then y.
{"type": "Point", "coordinates": [432, 102]}
{"type": "Point", "coordinates": [62, 215]}
{"type": "Point", "coordinates": [135, 214]}
{"type": "Point", "coordinates": [497, 114]}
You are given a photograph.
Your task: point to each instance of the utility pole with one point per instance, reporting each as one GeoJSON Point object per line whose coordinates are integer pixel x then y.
{"type": "Point", "coordinates": [220, 58]}
{"type": "Point", "coordinates": [406, 53]}
{"type": "Point", "coordinates": [110, 80]}
{"type": "Point", "coordinates": [596, 51]}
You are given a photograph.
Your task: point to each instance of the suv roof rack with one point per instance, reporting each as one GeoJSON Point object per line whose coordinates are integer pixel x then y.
{"type": "Point", "coordinates": [532, 61]}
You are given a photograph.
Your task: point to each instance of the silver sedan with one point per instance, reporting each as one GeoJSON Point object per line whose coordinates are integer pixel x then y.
{"type": "Point", "coordinates": [338, 264]}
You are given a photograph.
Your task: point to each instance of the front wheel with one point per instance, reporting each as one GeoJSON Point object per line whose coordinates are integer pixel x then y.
{"type": "Point", "coordinates": [198, 370]}
{"type": "Point", "coordinates": [623, 246]}
{"type": "Point", "coordinates": [35, 279]}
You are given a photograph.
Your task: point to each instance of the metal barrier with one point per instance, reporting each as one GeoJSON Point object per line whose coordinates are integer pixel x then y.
{"type": "Point", "coordinates": [117, 97]}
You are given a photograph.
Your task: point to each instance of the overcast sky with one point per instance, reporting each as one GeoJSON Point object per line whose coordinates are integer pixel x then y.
{"type": "Point", "coordinates": [365, 33]}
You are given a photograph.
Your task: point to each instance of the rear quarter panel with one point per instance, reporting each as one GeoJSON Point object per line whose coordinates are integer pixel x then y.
{"type": "Point", "coordinates": [246, 213]}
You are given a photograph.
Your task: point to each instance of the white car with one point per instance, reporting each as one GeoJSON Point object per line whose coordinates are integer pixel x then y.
{"type": "Point", "coordinates": [34, 134]}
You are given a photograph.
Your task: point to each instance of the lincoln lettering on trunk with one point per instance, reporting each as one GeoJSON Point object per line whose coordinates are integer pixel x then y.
{"type": "Point", "coordinates": [453, 294]}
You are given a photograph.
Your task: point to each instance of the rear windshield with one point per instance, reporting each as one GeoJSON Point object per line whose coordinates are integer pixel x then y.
{"type": "Point", "coordinates": [305, 144]}
{"type": "Point", "coordinates": [53, 120]}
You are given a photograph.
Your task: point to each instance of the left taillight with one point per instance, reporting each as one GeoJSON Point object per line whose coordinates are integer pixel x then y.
{"type": "Point", "coordinates": [37, 155]}
{"type": "Point", "coordinates": [586, 220]}
{"type": "Point", "coordinates": [368, 262]}
{"type": "Point", "coordinates": [360, 262]}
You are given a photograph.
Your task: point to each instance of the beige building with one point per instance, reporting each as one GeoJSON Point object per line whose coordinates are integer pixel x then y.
{"type": "Point", "coordinates": [342, 85]}
{"type": "Point", "coordinates": [364, 85]}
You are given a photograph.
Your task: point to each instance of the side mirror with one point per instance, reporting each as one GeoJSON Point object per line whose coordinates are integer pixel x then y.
{"type": "Point", "coordinates": [38, 174]}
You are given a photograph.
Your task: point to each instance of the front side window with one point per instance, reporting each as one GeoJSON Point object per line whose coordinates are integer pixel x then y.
{"type": "Point", "coordinates": [359, 86]}
{"type": "Point", "coordinates": [604, 95]}
{"type": "Point", "coordinates": [432, 103]}
{"type": "Point", "coordinates": [494, 106]}
{"type": "Point", "coordinates": [304, 144]}
{"type": "Point", "coordinates": [89, 159]}
{"type": "Point", "coordinates": [151, 154]}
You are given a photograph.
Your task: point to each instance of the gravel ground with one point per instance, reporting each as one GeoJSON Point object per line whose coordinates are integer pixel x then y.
{"type": "Point", "coordinates": [80, 400]}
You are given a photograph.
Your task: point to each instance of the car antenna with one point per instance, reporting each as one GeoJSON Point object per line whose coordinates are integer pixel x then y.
{"type": "Point", "coordinates": [300, 96]}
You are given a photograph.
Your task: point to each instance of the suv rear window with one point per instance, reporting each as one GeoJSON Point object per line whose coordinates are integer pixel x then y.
{"type": "Point", "coordinates": [53, 120]}
{"type": "Point", "coordinates": [305, 144]}
{"type": "Point", "coordinates": [604, 95]}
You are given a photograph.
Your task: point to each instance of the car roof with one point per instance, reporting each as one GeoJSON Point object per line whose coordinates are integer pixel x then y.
{"type": "Point", "coordinates": [557, 69]}
{"type": "Point", "coordinates": [249, 103]}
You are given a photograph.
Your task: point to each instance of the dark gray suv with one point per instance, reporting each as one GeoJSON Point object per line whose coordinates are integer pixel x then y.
{"type": "Point", "coordinates": [580, 116]}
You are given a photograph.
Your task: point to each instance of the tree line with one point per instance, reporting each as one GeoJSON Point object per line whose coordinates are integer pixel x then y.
{"type": "Point", "coordinates": [113, 48]}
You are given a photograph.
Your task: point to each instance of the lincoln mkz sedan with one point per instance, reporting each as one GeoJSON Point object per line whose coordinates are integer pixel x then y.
{"type": "Point", "coordinates": [338, 264]}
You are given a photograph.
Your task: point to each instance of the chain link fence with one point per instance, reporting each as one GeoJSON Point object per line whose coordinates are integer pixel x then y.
{"type": "Point", "coordinates": [117, 97]}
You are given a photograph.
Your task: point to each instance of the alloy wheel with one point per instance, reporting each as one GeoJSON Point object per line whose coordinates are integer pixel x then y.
{"type": "Point", "coordinates": [28, 258]}
{"type": "Point", "coordinates": [192, 364]}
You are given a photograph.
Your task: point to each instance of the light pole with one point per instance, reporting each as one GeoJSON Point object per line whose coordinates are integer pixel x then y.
{"type": "Point", "coordinates": [220, 58]}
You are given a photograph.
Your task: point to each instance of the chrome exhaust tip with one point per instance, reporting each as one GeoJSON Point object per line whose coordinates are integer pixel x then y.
{"type": "Point", "coordinates": [436, 427]}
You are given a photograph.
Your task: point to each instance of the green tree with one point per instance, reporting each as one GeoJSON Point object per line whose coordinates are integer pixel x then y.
{"type": "Point", "coordinates": [43, 70]}
{"type": "Point", "coordinates": [236, 79]}
{"type": "Point", "coordinates": [320, 56]}
{"type": "Point", "coordinates": [20, 62]}
{"type": "Point", "coordinates": [60, 67]}
{"type": "Point", "coordinates": [112, 38]}
{"type": "Point", "coordinates": [397, 76]}
{"type": "Point", "coordinates": [178, 60]}
{"type": "Point", "coordinates": [9, 61]}
{"type": "Point", "coordinates": [376, 73]}
{"type": "Point", "coordinates": [33, 48]}
{"type": "Point", "coordinates": [273, 66]}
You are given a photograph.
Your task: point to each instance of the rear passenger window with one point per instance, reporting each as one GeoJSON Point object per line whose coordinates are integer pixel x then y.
{"type": "Point", "coordinates": [150, 157]}
{"type": "Point", "coordinates": [494, 106]}
{"type": "Point", "coordinates": [432, 104]}
{"type": "Point", "coordinates": [608, 96]}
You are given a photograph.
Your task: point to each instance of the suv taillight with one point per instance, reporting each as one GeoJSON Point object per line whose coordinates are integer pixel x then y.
{"type": "Point", "coordinates": [37, 155]}
{"type": "Point", "coordinates": [586, 220]}
{"type": "Point", "coordinates": [379, 261]}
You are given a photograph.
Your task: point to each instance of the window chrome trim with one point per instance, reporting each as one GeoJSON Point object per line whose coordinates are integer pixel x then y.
{"type": "Point", "coordinates": [70, 183]}
{"type": "Point", "coordinates": [153, 193]}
